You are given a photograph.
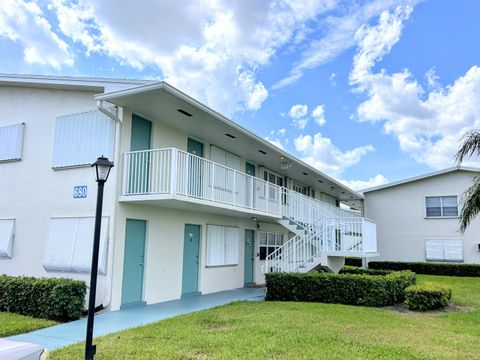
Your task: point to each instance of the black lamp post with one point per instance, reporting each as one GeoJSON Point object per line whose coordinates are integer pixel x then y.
{"type": "Point", "coordinates": [102, 170]}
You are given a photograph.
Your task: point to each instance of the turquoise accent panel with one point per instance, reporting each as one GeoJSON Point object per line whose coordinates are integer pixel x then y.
{"type": "Point", "coordinates": [195, 168]}
{"type": "Point", "coordinates": [195, 147]}
{"type": "Point", "coordinates": [250, 169]}
{"type": "Point", "coordinates": [133, 262]}
{"type": "Point", "coordinates": [140, 140]}
{"type": "Point", "coordinates": [249, 256]}
{"type": "Point", "coordinates": [191, 248]}
{"type": "Point", "coordinates": [141, 133]}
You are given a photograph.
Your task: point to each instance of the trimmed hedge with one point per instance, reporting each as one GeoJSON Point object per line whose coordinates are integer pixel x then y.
{"type": "Point", "coordinates": [429, 268]}
{"type": "Point", "coordinates": [48, 298]}
{"type": "Point", "coordinates": [356, 270]}
{"type": "Point", "coordinates": [351, 289]}
{"type": "Point", "coordinates": [353, 262]}
{"type": "Point", "coordinates": [427, 296]}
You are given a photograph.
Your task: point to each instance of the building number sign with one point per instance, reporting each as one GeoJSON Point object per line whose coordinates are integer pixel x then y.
{"type": "Point", "coordinates": [80, 192]}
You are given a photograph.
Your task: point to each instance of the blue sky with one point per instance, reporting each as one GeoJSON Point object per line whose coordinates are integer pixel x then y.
{"type": "Point", "coordinates": [366, 91]}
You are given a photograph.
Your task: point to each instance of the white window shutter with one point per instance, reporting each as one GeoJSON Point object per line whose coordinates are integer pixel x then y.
{"type": "Point", "coordinates": [11, 142]}
{"type": "Point", "coordinates": [233, 161]}
{"type": "Point", "coordinates": [70, 243]}
{"type": "Point", "coordinates": [81, 138]}
{"type": "Point", "coordinates": [218, 155]}
{"type": "Point", "coordinates": [60, 244]}
{"type": "Point", "coordinates": [82, 253]}
{"type": "Point", "coordinates": [453, 250]}
{"type": "Point", "coordinates": [232, 237]}
{"type": "Point", "coordinates": [7, 228]}
{"type": "Point", "coordinates": [434, 250]}
{"type": "Point", "coordinates": [215, 245]}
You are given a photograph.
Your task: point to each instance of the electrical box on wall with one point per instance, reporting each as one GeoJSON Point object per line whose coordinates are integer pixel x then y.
{"type": "Point", "coordinates": [478, 247]}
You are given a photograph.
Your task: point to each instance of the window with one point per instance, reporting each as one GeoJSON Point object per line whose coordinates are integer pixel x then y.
{"type": "Point", "coordinates": [69, 245]}
{"type": "Point", "coordinates": [223, 178]}
{"type": "Point", "coordinates": [269, 242]}
{"type": "Point", "coordinates": [273, 178]}
{"type": "Point", "coordinates": [11, 140]}
{"type": "Point", "coordinates": [441, 206]}
{"type": "Point", "coordinates": [222, 245]}
{"type": "Point", "coordinates": [6, 237]}
{"type": "Point", "coordinates": [302, 189]}
{"type": "Point", "coordinates": [444, 250]}
{"type": "Point", "coordinates": [81, 138]}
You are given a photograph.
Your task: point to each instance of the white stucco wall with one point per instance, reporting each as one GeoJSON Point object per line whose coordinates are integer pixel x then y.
{"type": "Point", "coordinates": [402, 226]}
{"type": "Point", "coordinates": [164, 252]}
{"type": "Point", "coordinates": [32, 192]}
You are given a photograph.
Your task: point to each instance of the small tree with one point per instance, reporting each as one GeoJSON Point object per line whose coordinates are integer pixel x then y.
{"type": "Point", "coordinates": [470, 146]}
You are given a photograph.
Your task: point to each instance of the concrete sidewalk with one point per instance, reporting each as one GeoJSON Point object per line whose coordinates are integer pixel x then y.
{"type": "Point", "coordinates": [66, 334]}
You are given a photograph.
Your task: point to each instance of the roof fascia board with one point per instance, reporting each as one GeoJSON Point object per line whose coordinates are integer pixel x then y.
{"type": "Point", "coordinates": [421, 177]}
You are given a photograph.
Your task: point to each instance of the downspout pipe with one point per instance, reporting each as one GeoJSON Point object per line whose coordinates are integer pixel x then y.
{"type": "Point", "coordinates": [117, 116]}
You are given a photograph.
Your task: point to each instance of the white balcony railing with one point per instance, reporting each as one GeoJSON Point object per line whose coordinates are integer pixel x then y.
{"type": "Point", "coordinates": [326, 228]}
{"type": "Point", "coordinates": [176, 172]}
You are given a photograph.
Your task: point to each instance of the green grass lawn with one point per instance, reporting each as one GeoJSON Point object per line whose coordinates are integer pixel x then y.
{"type": "Point", "coordinates": [13, 324]}
{"type": "Point", "coordinates": [275, 330]}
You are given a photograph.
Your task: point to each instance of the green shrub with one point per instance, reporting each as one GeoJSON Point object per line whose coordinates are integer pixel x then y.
{"type": "Point", "coordinates": [352, 289]}
{"type": "Point", "coordinates": [353, 262]}
{"type": "Point", "coordinates": [356, 270]}
{"type": "Point", "coordinates": [427, 296]}
{"type": "Point", "coordinates": [429, 268]}
{"type": "Point", "coordinates": [48, 298]}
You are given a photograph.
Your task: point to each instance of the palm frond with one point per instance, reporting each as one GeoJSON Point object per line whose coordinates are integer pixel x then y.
{"type": "Point", "coordinates": [471, 204]}
{"type": "Point", "coordinates": [470, 146]}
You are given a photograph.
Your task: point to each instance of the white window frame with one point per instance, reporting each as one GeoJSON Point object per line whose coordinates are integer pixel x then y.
{"type": "Point", "coordinates": [266, 246]}
{"type": "Point", "coordinates": [11, 142]}
{"type": "Point", "coordinates": [441, 207]}
{"type": "Point", "coordinates": [270, 192]}
{"type": "Point", "coordinates": [444, 243]}
{"type": "Point", "coordinates": [225, 242]}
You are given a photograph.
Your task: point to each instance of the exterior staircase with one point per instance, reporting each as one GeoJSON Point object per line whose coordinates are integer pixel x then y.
{"type": "Point", "coordinates": [324, 236]}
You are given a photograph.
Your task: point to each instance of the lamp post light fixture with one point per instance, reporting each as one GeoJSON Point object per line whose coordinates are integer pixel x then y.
{"type": "Point", "coordinates": [102, 169]}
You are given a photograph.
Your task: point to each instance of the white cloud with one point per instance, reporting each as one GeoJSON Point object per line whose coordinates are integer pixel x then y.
{"type": "Point", "coordinates": [333, 79]}
{"type": "Point", "coordinates": [24, 23]}
{"type": "Point", "coordinates": [376, 41]}
{"type": "Point", "coordinates": [337, 36]}
{"type": "Point", "coordinates": [427, 125]}
{"type": "Point", "coordinates": [298, 111]}
{"type": "Point", "coordinates": [321, 153]}
{"type": "Point", "coordinates": [432, 78]}
{"type": "Point", "coordinates": [278, 138]}
{"type": "Point", "coordinates": [212, 50]}
{"type": "Point", "coordinates": [318, 114]}
{"type": "Point", "coordinates": [377, 180]}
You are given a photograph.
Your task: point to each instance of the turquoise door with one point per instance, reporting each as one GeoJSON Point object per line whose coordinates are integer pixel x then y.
{"type": "Point", "coordinates": [250, 169]}
{"type": "Point", "coordinates": [249, 256]}
{"type": "Point", "coordinates": [191, 248]}
{"type": "Point", "coordinates": [140, 139]}
{"type": "Point", "coordinates": [249, 185]}
{"type": "Point", "coordinates": [195, 168]}
{"type": "Point", "coordinates": [133, 262]}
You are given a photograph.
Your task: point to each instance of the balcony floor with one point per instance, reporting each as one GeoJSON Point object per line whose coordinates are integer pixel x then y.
{"type": "Point", "coordinates": [198, 205]}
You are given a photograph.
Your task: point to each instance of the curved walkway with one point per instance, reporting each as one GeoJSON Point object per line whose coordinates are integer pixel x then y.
{"type": "Point", "coordinates": [105, 323]}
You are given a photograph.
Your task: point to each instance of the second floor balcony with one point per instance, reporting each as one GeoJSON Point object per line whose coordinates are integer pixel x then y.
{"type": "Point", "coordinates": [173, 173]}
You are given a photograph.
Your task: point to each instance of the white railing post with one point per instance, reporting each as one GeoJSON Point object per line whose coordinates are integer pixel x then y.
{"type": "Point", "coordinates": [126, 172]}
{"type": "Point", "coordinates": [173, 175]}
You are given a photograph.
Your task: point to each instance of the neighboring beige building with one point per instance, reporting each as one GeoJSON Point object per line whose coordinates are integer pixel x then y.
{"type": "Point", "coordinates": [417, 218]}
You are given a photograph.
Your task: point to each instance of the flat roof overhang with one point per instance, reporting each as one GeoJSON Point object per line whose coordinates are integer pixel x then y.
{"type": "Point", "coordinates": [161, 102]}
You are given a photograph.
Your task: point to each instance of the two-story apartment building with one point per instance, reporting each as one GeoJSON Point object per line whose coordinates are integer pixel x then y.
{"type": "Point", "coordinates": [417, 218]}
{"type": "Point", "coordinates": [195, 202]}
